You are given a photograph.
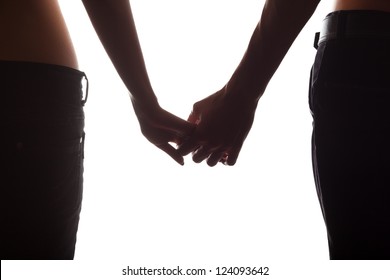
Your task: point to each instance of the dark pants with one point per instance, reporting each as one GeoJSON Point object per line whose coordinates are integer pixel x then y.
{"type": "Point", "coordinates": [350, 104]}
{"type": "Point", "coordinates": [41, 160]}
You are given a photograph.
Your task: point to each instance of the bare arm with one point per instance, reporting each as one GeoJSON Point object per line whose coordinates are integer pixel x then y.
{"type": "Point", "coordinates": [279, 25]}
{"type": "Point", "coordinates": [114, 24]}
{"type": "Point", "coordinates": [225, 118]}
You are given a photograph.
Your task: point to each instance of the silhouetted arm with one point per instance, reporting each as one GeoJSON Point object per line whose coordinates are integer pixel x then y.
{"type": "Point", "coordinates": [114, 24]}
{"type": "Point", "coordinates": [225, 118]}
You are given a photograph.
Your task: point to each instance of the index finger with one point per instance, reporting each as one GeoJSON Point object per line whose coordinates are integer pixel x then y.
{"type": "Point", "coordinates": [172, 152]}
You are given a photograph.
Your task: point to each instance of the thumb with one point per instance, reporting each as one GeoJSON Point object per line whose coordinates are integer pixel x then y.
{"type": "Point", "coordinates": [184, 132]}
{"type": "Point", "coordinates": [194, 117]}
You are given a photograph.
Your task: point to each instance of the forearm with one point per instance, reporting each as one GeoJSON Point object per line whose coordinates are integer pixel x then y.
{"type": "Point", "coordinates": [114, 24]}
{"type": "Point", "coordinates": [280, 24]}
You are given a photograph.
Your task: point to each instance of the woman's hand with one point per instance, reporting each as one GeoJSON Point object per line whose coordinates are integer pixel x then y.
{"type": "Point", "coordinates": [162, 128]}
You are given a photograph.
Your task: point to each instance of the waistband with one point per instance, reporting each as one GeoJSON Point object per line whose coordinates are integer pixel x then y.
{"type": "Point", "coordinates": [39, 81]}
{"type": "Point", "coordinates": [354, 24]}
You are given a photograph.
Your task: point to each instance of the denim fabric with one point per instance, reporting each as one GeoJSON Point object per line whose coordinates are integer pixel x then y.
{"type": "Point", "coordinates": [41, 160]}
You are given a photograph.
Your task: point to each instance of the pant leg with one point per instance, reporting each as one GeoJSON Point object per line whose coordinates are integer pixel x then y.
{"type": "Point", "coordinates": [350, 103]}
{"type": "Point", "coordinates": [41, 161]}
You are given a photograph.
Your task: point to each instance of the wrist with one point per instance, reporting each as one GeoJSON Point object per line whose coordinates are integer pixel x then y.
{"type": "Point", "coordinates": [243, 91]}
{"type": "Point", "coordinates": [236, 99]}
{"type": "Point", "coordinates": [144, 107]}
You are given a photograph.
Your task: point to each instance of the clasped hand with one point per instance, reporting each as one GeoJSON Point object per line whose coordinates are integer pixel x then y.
{"type": "Point", "coordinates": [215, 131]}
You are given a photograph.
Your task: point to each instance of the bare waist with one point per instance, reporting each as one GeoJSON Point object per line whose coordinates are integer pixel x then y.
{"type": "Point", "coordinates": [35, 31]}
{"type": "Point", "coordinates": [377, 5]}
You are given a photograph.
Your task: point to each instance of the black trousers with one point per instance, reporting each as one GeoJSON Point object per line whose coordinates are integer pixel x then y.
{"type": "Point", "coordinates": [41, 160]}
{"type": "Point", "coordinates": [350, 103]}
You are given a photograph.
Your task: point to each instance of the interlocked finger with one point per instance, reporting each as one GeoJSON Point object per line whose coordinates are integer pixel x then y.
{"type": "Point", "coordinates": [216, 157]}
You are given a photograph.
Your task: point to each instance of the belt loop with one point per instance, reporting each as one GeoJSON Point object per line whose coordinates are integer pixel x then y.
{"type": "Point", "coordinates": [86, 90]}
{"type": "Point", "coordinates": [316, 39]}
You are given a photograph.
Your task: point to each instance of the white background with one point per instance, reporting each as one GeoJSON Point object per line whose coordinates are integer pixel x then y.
{"type": "Point", "coordinates": [141, 208]}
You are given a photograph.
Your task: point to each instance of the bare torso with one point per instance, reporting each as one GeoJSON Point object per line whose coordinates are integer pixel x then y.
{"type": "Point", "coordinates": [34, 30]}
{"type": "Point", "coordinates": [379, 5]}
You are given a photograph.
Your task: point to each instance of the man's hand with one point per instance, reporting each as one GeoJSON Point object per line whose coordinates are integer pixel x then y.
{"type": "Point", "coordinates": [222, 126]}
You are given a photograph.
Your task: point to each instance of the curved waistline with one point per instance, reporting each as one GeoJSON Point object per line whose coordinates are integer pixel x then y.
{"type": "Point", "coordinates": [354, 24]}
{"type": "Point", "coordinates": [24, 74]}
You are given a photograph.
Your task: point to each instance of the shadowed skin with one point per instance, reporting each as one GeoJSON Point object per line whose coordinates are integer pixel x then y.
{"type": "Point", "coordinates": [225, 118]}
{"type": "Point", "coordinates": [35, 31]}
